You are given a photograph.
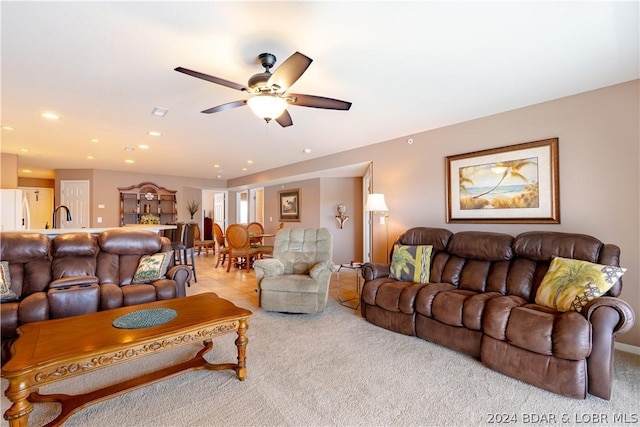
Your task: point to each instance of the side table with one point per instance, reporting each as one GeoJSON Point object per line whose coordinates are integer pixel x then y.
{"type": "Point", "coordinates": [356, 267]}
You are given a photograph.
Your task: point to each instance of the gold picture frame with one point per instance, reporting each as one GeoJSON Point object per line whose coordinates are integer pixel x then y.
{"type": "Point", "coordinates": [289, 205]}
{"type": "Point", "coordinates": [512, 184]}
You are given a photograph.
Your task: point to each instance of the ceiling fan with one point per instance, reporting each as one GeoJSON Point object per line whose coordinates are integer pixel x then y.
{"type": "Point", "coordinates": [270, 97]}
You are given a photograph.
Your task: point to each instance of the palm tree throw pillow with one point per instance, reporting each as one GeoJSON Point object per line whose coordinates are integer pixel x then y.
{"type": "Point", "coordinates": [570, 284]}
{"type": "Point", "coordinates": [411, 263]}
{"type": "Point", "coordinates": [152, 267]}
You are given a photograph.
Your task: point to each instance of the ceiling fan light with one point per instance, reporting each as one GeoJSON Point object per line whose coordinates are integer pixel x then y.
{"type": "Point", "coordinates": [267, 107]}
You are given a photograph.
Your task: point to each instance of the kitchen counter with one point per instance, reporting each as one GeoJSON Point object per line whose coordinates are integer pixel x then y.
{"type": "Point", "coordinates": [55, 231]}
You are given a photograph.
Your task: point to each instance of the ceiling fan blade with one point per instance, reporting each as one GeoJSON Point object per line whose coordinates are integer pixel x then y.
{"type": "Point", "coordinates": [317, 102]}
{"type": "Point", "coordinates": [285, 119]}
{"type": "Point", "coordinates": [290, 71]}
{"type": "Point", "coordinates": [224, 107]}
{"type": "Point", "coordinates": [212, 79]}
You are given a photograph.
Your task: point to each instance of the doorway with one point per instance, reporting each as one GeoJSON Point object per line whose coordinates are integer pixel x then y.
{"type": "Point", "coordinates": [40, 202]}
{"type": "Point", "coordinates": [214, 206]}
{"type": "Point", "coordinates": [367, 188]}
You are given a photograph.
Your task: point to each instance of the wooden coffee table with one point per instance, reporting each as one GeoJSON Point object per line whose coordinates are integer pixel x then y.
{"type": "Point", "coordinates": [55, 350]}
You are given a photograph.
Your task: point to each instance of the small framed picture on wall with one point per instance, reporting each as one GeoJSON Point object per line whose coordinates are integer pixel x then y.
{"type": "Point", "coordinates": [289, 202]}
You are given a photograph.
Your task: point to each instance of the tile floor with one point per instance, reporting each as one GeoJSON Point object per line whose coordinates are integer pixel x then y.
{"type": "Point", "coordinates": [239, 286]}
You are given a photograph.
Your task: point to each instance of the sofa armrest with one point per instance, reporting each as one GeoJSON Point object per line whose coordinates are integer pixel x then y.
{"type": "Point", "coordinates": [269, 267]}
{"type": "Point", "coordinates": [320, 267]}
{"type": "Point", "coordinates": [181, 274]}
{"type": "Point", "coordinates": [73, 281]}
{"type": "Point", "coordinates": [372, 271]}
{"type": "Point", "coordinates": [608, 316]}
{"type": "Point", "coordinates": [627, 317]}
{"type": "Point", "coordinates": [33, 308]}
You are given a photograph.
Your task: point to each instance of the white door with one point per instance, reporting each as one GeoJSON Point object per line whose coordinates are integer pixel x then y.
{"type": "Point", "coordinates": [75, 196]}
{"type": "Point", "coordinates": [219, 210]}
{"type": "Point", "coordinates": [40, 202]}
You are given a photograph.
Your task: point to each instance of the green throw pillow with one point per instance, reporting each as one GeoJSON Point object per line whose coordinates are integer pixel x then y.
{"type": "Point", "coordinates": [6, 294]}
{"type": "Point", "coordinates": [411, 263]}
{"type": "Point", "coordinates": [152, 267]}
{"type": "Point", "coordinates": [570, 284]}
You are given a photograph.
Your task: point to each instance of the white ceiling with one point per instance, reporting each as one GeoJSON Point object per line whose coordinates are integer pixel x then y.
{"type": "Point", "coordinates": [406, 66]}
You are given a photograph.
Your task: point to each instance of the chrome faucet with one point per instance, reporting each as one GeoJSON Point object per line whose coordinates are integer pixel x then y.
{"type": "Point", "coordinates": [55, 211]}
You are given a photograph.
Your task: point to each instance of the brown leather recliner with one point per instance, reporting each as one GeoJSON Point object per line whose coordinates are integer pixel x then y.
{"type": "Point", "coordinates": [30, 273]}
{"type": "Point", "coordinates": [120, 252]}
{"type": "Point", "coordinates": [480, 300]}
{"type": "Point", "coordinates": [78, 273]}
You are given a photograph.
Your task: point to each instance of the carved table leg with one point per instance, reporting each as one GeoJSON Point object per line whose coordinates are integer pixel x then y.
{"type": "Point", "coordinates": [18, 413]}
{"type": "Point", "coordinates": [241, 343]}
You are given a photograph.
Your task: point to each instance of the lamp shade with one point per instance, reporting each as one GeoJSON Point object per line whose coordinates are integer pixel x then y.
{"type": "Point", "coordinates": [375, 202]}
{"type": "Point", "coordinates": [267, 106]}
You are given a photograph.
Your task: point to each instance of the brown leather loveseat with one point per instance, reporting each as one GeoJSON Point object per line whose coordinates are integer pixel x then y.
{"type": "Point", "coordinates": [79, 273]}
{"type": "Point", "coordinates": [480, 299]}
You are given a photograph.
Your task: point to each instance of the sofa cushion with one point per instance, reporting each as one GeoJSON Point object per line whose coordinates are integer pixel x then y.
{"type": "Point", "coordinates": [152, 267]}
{"type": "Point", "coordinates": [5, 283]}
{"type": "Point", "coordinates": [545, 331]}
{"type": "Point", "coordinates": [411, 263]}
{"type": "Point", "coordinates": [570, 284]}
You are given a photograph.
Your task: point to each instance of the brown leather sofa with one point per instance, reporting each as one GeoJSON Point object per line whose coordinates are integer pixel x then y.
{"type": "Point", "coordinates": [480, 300]}
{"type": "Point", "coordinates": [79, 273]}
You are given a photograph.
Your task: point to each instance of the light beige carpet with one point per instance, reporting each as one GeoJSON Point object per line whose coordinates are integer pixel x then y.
{"type": "Point", "coordinates": [336, 369]}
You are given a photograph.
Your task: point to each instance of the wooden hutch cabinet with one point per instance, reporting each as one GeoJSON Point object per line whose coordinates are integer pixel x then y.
{"type": "Point", "coordinates": [145, 202]}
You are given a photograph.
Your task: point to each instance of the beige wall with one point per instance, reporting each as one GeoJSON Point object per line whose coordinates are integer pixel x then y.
{"type": "Point", "coordinates": [599, 155]}
{"type": "Point", "coordinates": [347, 242]}
{"type": "Point", "coordinates": [104, 190]}
{"type": "Point", "coordinates": [319, 199]}
{"type": "Point", "coordinates": [599, 176]}
{"type": "Point", "coordinates": [309, 205]}
{"type": "Point", "coordinates": [9, 171]}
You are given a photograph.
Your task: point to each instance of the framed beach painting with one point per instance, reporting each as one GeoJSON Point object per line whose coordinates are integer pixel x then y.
{"type": "Point", "coordinates": [289, 201]}
{"type": "Point", "coordinates": [513, 184]}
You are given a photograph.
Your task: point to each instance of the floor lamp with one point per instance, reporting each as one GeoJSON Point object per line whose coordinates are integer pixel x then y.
{"type": "Point", "coordinates": [376, 204]}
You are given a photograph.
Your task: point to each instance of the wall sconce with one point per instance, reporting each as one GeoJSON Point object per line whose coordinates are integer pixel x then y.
{"type": "Point", "coordinates": [341, 217]}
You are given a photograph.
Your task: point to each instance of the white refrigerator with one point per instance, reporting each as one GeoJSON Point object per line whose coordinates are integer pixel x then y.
{"type": "Point", "coordinates": [15, 211]}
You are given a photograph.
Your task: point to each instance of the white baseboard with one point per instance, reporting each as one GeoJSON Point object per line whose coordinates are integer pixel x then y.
{"type": "Point", "coordinates": [627, 347]}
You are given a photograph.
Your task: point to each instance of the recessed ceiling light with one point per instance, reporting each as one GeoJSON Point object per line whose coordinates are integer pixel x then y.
{"type": "Point", "coordinates": [160, 112]}
{"type": "Point", "coordinates": [129, 161]}
{"type": "Point", "coordinates": [90, 157]}
{"type": "Point", "coordinates": [218, 176]}
{"type": "Point", "coordinates": [50, 116]}
{"type": "Point", "coordinates": [216, 166]}
{"type": "Point", "coordinates": [244, 169]}
{"type": "Point", "coordinates": [24, 150]}
{"type": "Point", "coordinates": [5, 127]}
{"type": "Point", "coordinates": [95, 140]}
{"type": "Point", "coordinates": [143, 147]}
{"type": "Point", "coordinates": [307, 151]}
{"type": "Point", "coordinates": [154, 133]}
{"type": "Point", "coordinates": [250, 161]}
{"type": "Point", "coordinates": [129, 149]}
{"type": "Point", "coordinates": [26, 170]}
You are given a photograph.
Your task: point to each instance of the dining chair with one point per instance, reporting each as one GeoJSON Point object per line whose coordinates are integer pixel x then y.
{"type": "Point", "coordinates": [240, 250]}
{"type": "Point", "coordinates": [185, 247]}
{"type": "Point", "coordinates": [256, 229]}
{"type": "Point", "coordinates": [202, 242]}
{"type": "Point", "coordinates": [223, 249]}
{"type": "Point", "coordinates": [177, 238]}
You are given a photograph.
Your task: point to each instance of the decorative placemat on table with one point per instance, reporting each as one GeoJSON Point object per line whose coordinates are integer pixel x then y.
{"type": "Point", "coordinates": [145, 318]}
